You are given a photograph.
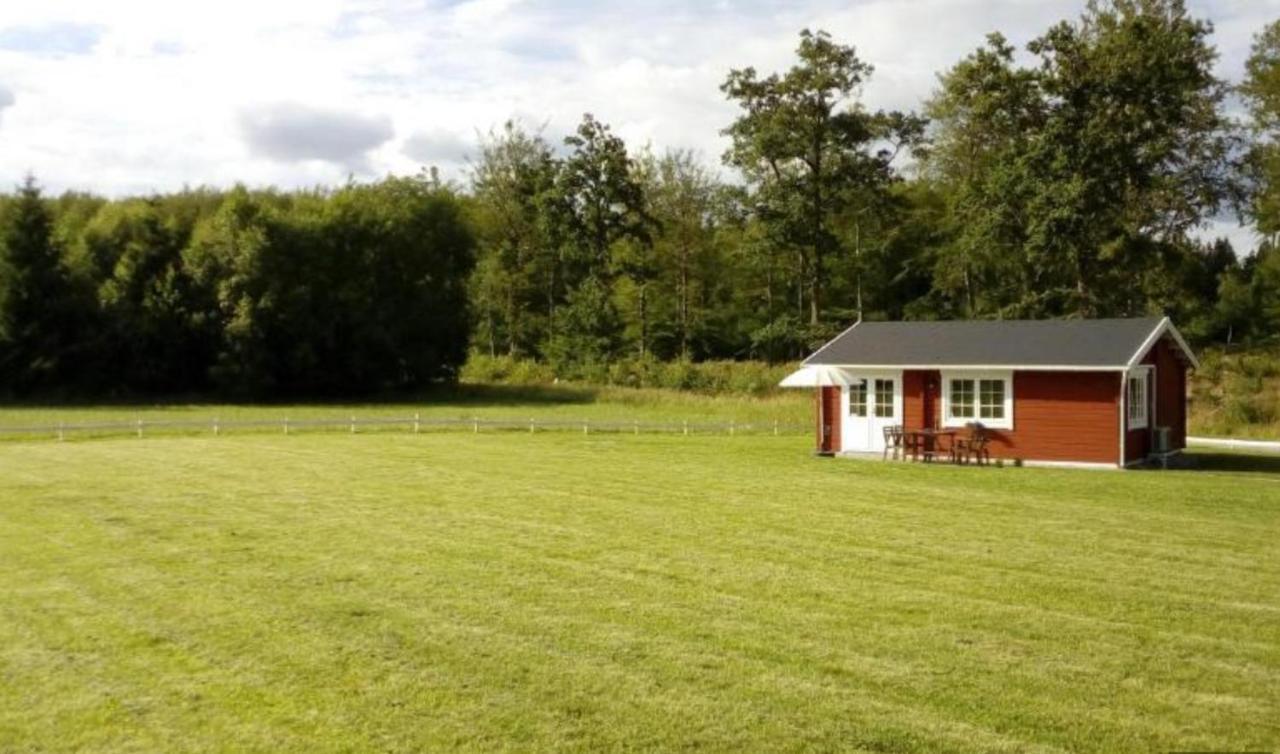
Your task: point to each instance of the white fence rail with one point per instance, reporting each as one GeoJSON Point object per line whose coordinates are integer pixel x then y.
{"type": "Point", "coordinates": [416, 423]}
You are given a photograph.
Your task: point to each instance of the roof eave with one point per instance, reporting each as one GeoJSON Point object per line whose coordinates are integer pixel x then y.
{"type": "Point", "coordinates": [1165, 326]}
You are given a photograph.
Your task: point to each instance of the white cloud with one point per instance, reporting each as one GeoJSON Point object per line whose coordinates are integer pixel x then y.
{"type": "Point", "coordinates": [439, 148]}
{"type": "Point", "coordinates": [158, 95]}
{"type": "Point", "coordinates": [289, 132]}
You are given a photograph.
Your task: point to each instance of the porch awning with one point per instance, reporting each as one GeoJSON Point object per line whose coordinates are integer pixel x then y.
{"type": "Point", "coordinates": [815, 376]}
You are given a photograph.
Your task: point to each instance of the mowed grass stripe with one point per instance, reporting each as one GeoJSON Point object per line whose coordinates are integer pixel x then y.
{"type": "Point", "coordinates": [556, 591]}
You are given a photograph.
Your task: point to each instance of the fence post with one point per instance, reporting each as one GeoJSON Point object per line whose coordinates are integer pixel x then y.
{"type": "Point", "coordinates": [584, 428]}
{"type": "Point", "coordinates": [475, 425]}
{"type": "Point", "coordinates": [636, 427]}
{"type": "Point", "coordinates": [215, 426]}
{"type": "Point", "coordinates": [731, 428]}
{"type": "Point", "coordinates": [286, 425]}
{"type": "Point", "coordinates": [686, 427]}
{"type": "Point", "coordinates": [530, 425]}
{"type": "Point", "coordinates": [416, 419]}
{"type": "Point", "coordinates": [775, 427]}
{"type": "Point", "coordinates": [353, 424]}
{"type": "Point", "coordinates": [60, 437]}
{"type": "Point", "coordinates": [139, 428]}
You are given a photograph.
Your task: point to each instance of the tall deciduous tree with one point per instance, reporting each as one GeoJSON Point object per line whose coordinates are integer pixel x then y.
{"type": "Point", "coordinates": [1261, 91]}
{"type": "Point", "coordinates": [811, 152]}
{"type": "Point", "coordinates": [1080, 180]}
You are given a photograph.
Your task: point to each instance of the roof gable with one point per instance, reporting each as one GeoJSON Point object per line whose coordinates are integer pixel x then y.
{"type": "Point", "coordinates": [1035, 344]}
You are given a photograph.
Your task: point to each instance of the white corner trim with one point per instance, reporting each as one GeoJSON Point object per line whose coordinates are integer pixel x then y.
{"type": "Point", "coordinates": [971, 374]}
{"type": "Point", "coordinates": [828, 344]}
{"type": "Point", "coordinates": [1165, 326]}
{"type": "Point", "coordinates": [1124, 413]}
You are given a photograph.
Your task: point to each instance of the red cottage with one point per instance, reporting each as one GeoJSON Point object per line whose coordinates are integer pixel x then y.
{"type": "Point", "coordinates": [1102, 392]}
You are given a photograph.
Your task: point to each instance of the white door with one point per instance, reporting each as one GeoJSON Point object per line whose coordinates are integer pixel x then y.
{"type": "Point", "coordinates": [871, 402]}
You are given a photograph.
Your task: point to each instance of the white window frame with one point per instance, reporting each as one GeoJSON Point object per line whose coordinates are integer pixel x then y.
{"type": "Point", "coordinates": [960, 421]}
{"type": "Point", "coordinates": [1138, 413]}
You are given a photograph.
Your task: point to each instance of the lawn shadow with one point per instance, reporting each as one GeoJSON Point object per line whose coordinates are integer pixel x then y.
{"type": "Point", "coordinates": [1235, 462]}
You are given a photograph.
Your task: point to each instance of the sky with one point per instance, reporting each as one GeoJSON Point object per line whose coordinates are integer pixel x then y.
{"type": "Point", "coordinates": [127, 97]}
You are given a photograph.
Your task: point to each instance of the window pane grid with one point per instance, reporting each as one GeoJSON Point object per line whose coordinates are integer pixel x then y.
{"type": "Point", "coordinates": [884, 398]}
{"type": "Point", "coordinates": [1138, 400]}
{"type": "Point", "coordinates": [962, 399]}
{"type": "Point", "coordinates": [858, 398]}
{"type": "Point", "coordinates": [991, 399]}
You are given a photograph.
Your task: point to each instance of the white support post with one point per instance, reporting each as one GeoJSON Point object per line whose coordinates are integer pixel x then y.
{"type": "Point", "coordinates": [775, 427]}
{"type": "Point", "coordinates": [530, 425]}
{"type": "Point", "coordinates": [60, 434]}
{"type": "Point", "coordinates": [686, 427]}
{"type": "Point", "coordinates": [286, 425]}
{"type": "Point", "coordinates": [416, 420]}
{"type": "Point", "coordinates": [475, 425]}
{"type": "Point", "coordinates": [353, 424]}
{"type": "Point", "coordinates": [139, 428]}
{"type": "Point", "coordinates": [215, 426]}
{"type": "Point", "coordinates": [636, 427]}
{"type": "Point", "coordinates": [585, 429]}
{"type": "Point", "coordinates": [731, 427]}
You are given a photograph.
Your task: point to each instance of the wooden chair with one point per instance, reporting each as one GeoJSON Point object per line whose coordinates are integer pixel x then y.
{"type": "Point", "coordinates": [974, 447]}
{"type": "Point", "coordinates": [893, 442]}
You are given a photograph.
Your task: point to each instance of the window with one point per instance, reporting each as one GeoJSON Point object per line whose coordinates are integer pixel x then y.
{"type": "Point", "coordinates": [1137, 400]}
{"type": "Point", "coordinates": [884, 398]}
{"type": "Point", "coordinates": [961, 399]}
{"type": "Point", "coordinates": [985, 397]}
{"type": "Point", "coordinates": [858, 398]}
{"type": "Point", "coordinates": [990, 399]}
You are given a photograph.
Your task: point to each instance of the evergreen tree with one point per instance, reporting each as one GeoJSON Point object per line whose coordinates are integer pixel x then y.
{"type": "Point", "coordinates": [37, 333]}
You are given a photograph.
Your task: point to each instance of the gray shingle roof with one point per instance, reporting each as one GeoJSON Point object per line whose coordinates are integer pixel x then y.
{"type": "Point", "coordinates": [1003, 343]}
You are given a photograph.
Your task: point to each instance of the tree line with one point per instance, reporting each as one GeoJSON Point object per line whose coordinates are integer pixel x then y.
{"type": "Point", "coordinates": [1069, 181]}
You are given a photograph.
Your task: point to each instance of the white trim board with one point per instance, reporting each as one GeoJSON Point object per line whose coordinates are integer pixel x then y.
{"type": "Point", "coordinates": [978, 367]}
{"type": "Point", "coordinates": [1005, 376]}
{"type": "Point", "coordinates": [828, 344]}
{"type": "Point", "coordinates": [1165, 326]}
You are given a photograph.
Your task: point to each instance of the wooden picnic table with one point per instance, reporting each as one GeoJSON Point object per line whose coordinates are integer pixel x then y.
{"type": "Point", "coordinates": [925, 441]}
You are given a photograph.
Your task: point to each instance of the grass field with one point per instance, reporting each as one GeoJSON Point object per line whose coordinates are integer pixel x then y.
{"type": "Point", "coordinates": [392, 592]}
{"type": "Point", "coordinates": [552, 402]}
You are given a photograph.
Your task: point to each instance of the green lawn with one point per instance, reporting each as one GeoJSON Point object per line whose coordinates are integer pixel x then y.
{"type": "Point", "coordinates": [390, 592]}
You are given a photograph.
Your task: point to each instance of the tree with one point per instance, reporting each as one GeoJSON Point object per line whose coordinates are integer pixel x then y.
{"type": "Point", "coordinates": [601, 198]}
{"type": "Point", "coordinates": [1076, 178]}
{"type": "Point", "coordinates": [359, 290]}
{"type": "Point", "coordinates": [37, 331]}
{"type": "Point", "coordinates": [517, 283]}
{"type": "Point", "coordinates": [150, 331]}
{"type": "Point", "coordinates": [683, 199]}
{"type": "Point", "coordinates": [810, 152]}
{"type": "Point", "coordinates": [601, 207]}
{"type": "Point", "coordinates": [1261, 92]}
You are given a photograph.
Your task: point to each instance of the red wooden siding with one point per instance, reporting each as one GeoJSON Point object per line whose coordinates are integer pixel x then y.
{"type": "Point", "coordinates": [1169, 390]}
{"type": "Point", "coordinates": [913, 398]}
{"type": "Point", "coordinates": [1057, 416]}
{"type": "Point", "coordinates": [829, 420]}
